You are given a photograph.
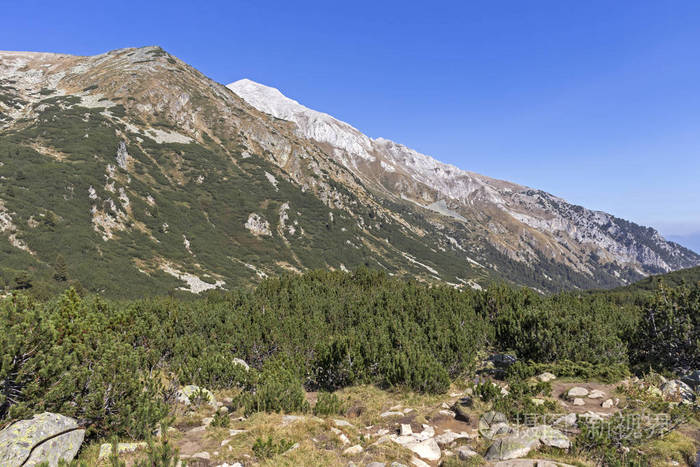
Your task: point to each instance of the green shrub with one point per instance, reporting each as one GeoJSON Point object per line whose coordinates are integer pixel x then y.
{"type": "Point", "coordinates": [62, 357]}
{"type": "Point", "coordinates": [278, 389]}
{"type": "Point", "coordinates": [487, 391]}
{"type": "Point", "coordinates": [221, 420]}
{"type": "Point", "coordinates": [669, 336]}
{"type": "Point", "coordinates": [328, 404]}
{"type": "Point", "coordinates": [270, 448]}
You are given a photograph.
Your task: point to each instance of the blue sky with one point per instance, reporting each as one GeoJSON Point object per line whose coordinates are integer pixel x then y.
{"type": "Point", "coordinates": [597, 102]}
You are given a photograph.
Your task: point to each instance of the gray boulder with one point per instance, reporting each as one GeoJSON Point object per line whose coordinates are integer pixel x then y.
{"type": "Point", "coordinates": [676, 389]}
{"type": "Point", "coordinates": [521, 443]}
{"type": "Point", "coordinates": [46, 437]}
{"type": "Point", "coordinates": [492, 424]}
{"type": "Point", "coordinates": [692, 379]}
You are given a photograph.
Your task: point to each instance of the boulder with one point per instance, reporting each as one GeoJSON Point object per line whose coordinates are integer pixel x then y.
{"type": "Point", "coordinates": [461, 408]}
{"type": "Point", "coordinates": [596, 394]}
{"type": "Point", "coordinates": [511, 448]}
{"type": "Point", "coordinates": [546, 377]}
{"type": "Point", "coordinates": [576, 391]}
{"type": "Point", "coordinates": [448, 437]}
{"type": "Point", "coordinates": [188, 393]}
{"type": "Point", "coordinates": [550, 436]}
{"type": "Point", "coordinates": [46, 437]}
{"type": "Point", "coordinates": [676, 389]}
{"type": "Point", "coordinates": [428, 449]}
{"type": "Point", "coordinates": [406, 429]}
{"type": "Point", "coordinates": [521, 443]}
{"type": "Point", "coordinates": [492, 424]}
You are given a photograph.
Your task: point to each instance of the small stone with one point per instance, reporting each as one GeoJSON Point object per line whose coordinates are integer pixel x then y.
{"type": "Point", "coordinates": [341, 423]}
{"type": "Point", "coordinates": [406, 429]}
{"type": "Point", "coordinates": [596, 394]}
{"type": "Point", "coordinates": [202, 455]}
{"type": "Point", "coordinates": [376, 464]}
{"type": "Point", "coordinates": [391, 413]}
{"type": "Point", "coordinates": [579, 401]}
{"type": "Point", "coordinates": [546, 377]}
{"type": "Point", "coordinates": [447, 413]}
{"type": "Point", "coordinates": [464, 453]}
{"type": "Point", "coordinates": [537, 401]}
{"type": "Point", "coordinates": [427, 449]}
{"type": "Point", "coordinates": [235, 432]}
{"type": "Point", "coordinates": [576, 391]}
{"type": "Point", "coordinates": [607, 404]}
{"type": "Point", "coordinates": [353, 450]}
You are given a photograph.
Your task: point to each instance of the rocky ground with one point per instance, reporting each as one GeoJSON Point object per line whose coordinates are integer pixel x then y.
{"type": "Point", "coordinates": [377, 428]}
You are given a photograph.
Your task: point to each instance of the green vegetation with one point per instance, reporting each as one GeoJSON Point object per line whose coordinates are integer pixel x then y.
{"type": "Point", "coordinates": [271, 448]}
{"type": "Point", "coordinates": [115, 364]}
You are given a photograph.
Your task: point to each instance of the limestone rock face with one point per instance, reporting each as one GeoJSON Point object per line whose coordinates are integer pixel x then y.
{"type": "Point", "coordinates": [46, 437]}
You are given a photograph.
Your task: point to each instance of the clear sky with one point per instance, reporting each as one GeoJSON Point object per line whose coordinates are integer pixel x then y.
{"type": "Point", "coordinates": [595, 101]}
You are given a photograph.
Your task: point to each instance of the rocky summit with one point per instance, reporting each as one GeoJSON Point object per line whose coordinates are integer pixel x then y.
{"type": "Point", "coordinates": [132, 173]}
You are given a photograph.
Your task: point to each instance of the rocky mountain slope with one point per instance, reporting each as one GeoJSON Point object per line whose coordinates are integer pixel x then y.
{"type": "Point", "coordinates": [133, 173]}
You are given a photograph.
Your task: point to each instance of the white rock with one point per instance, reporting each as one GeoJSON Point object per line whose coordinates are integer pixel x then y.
{"type": "Point", "coordinates": [596, 394]}
{"type": "Point", "coordinates": [428, 449]}
{"type": "Point", "coordinates": [576, 391]}
{"type": "Point", "coordinates": [391, 413]}
{"type": "Point", "coordinates": [546, 376]}
{"type": "Point", "coordinates": [353, 450]}
{"type": "Point", "coordinates": [341, 423]}
{"type": "Point", "coordinates": [579, 401]}
{"type": "Point", "coordinates": [448, 437]}
{"type": "Point", "coordinates": [406, 429]}
{"type": "Point", "coordinates": [607, 404]}
{"type": "Point", "coordinates": [201, 455]}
